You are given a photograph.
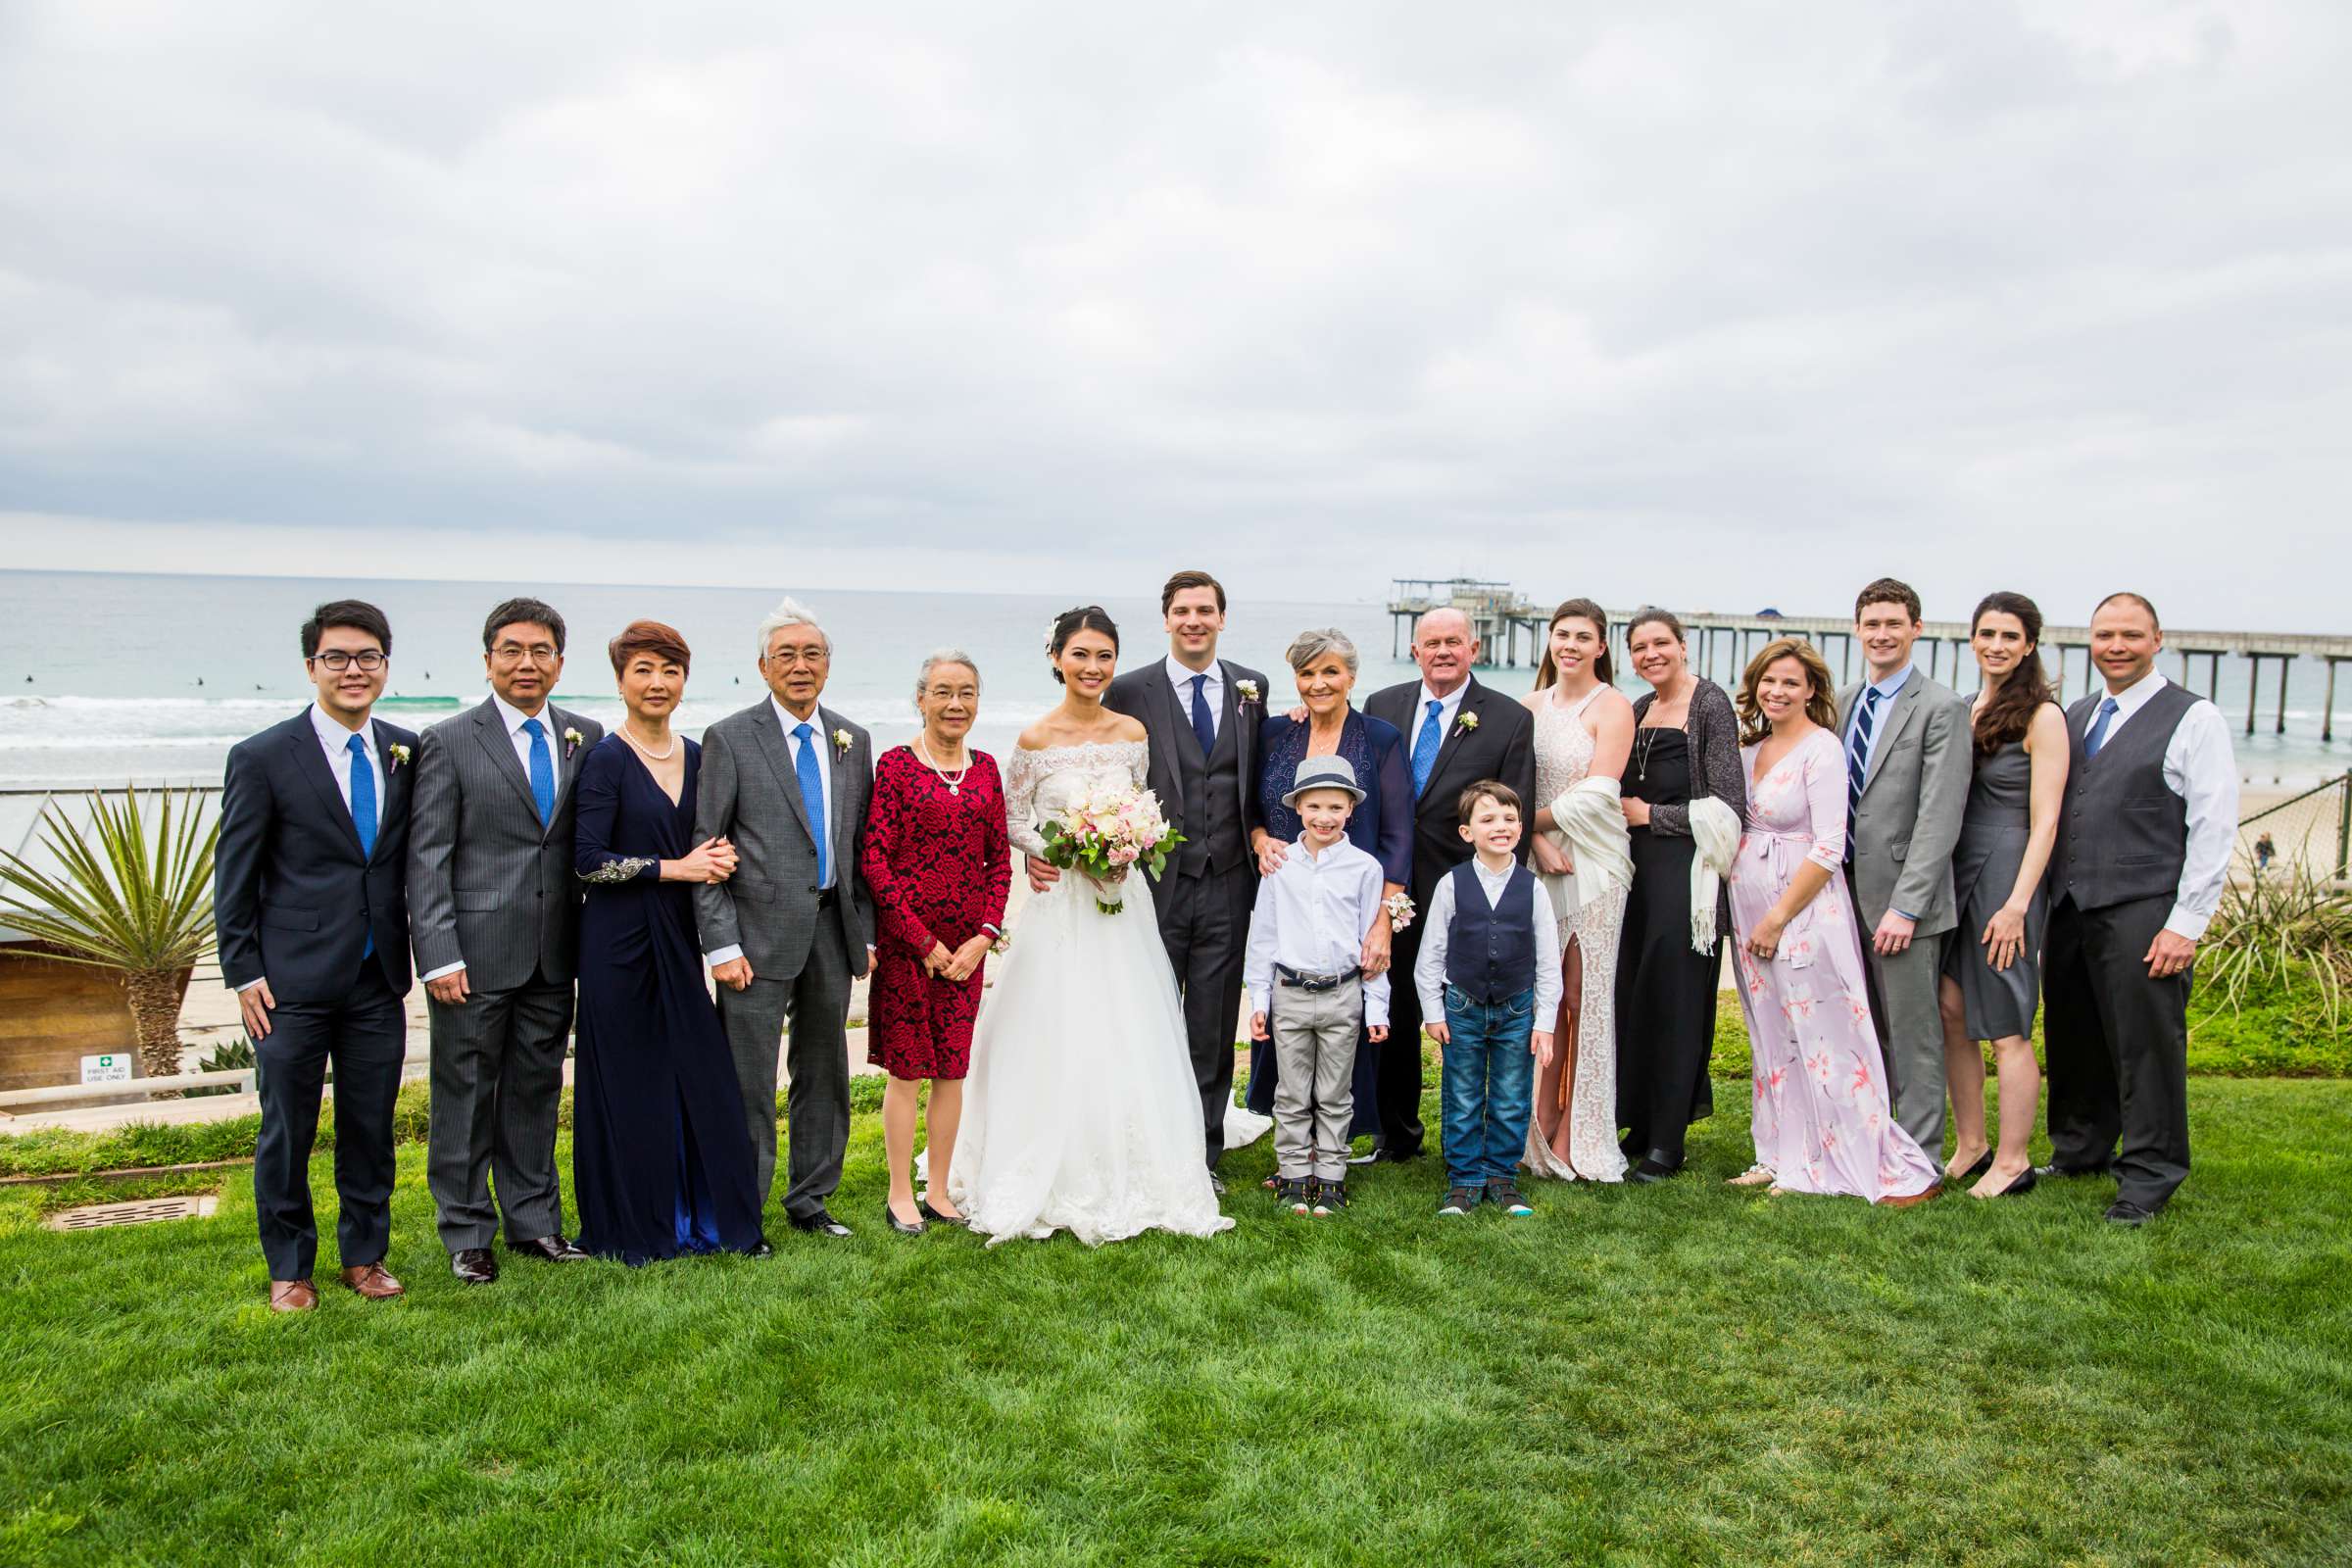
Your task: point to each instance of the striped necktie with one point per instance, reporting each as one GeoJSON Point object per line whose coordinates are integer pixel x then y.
{"type": "Point", "coordinates": [1857, 763]}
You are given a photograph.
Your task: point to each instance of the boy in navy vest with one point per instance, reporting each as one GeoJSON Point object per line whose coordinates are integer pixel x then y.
{"type": "Point", "coordinates": [1489, 968]}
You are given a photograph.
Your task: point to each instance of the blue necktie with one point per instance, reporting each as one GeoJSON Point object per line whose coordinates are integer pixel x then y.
{"type": "Point", "coordinates": [1426, 745]}
{"type": "Point", "coordinates": [1202, 726]}
{"type": "Point", "coordinates": [813, 795]}
{"type": "Point", "coordinates": [1857, 763]}
{"type": "Point", "coordinates": [543, 772]}
{"type": "Point", "coordinates": [362, 816]}
{"type": "Point", "coordinates": [2098, 730]}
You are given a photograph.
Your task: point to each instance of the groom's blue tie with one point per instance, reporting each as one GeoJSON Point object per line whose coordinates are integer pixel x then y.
{"type": "Point", "coordinates": [543, 772]}
{"type": "Point", "coordinates": [1426, 746]}
{"type": "Point", "coordinates": [362, 816]}
{"type": "Point", "coordinates": [1202, 726]}
{"type": "Point", "coordinates": [813, 795]}
{"type": "Point", "coordinates": [2098, 730]}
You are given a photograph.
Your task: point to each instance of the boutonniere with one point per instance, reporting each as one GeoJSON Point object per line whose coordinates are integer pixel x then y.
{"type": "Point", "coordinates": [1248, 689]}
{"type": "Point", "coordinates": [841, 743]}
{"type": "Point", "coordinates": [398, 755]}
{"type": "Point", "coordinates": [1466, 723]}
{"type": "Point", "coordinates": [571, 743]}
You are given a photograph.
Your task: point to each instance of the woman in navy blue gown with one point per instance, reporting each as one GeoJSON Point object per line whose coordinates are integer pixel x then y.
{"type": "Point", "coordinates": [1382, 825]}
{"type": "Point", "coordinates": [661, 1165]}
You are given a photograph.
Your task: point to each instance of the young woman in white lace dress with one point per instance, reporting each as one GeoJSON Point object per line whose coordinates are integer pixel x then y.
{"type": "Point", "coordinates": [1080, 1112]}
{"type": "Point", "coordinates": [1584, 733]}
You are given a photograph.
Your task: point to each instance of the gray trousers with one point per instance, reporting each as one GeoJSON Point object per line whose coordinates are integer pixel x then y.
{"type": "Point", "coordinates": [1315, 1050]}
{"type": "Point", "coordinates": [1904, 1006]}
{"type": "Point", "coordinates": [817, 1106]}
{"type": "Point", "coordinates": [498, 1086]}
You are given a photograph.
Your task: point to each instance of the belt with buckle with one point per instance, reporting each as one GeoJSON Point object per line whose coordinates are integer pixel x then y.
{"type": "Point", "coordinates": [1312, 982]}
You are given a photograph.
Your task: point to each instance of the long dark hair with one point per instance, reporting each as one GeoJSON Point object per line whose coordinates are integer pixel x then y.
{"type": "Point", "coordinates": [1070, 623]}
{"type": "Point", "coordinates": [2008, 711]}
{"type": "Point", "coordinates": [1547, 672]}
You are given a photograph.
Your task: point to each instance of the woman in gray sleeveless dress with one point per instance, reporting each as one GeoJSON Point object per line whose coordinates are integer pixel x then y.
{"type": "Point", "coordinates": [1992, 959]}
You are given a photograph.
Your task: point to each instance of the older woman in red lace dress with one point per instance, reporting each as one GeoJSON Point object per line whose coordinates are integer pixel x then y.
{"type": "Point", "coordinates": [940, 864]}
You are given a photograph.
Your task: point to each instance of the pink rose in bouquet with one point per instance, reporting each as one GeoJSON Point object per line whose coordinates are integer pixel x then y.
{"type": "Point", "coordinates": [1105, 834]}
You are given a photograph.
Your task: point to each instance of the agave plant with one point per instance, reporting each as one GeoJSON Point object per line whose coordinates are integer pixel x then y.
{"type": "Point", "coordinates": [2275, 931]}
{"type": "Point", "coordinates": [125, 898]}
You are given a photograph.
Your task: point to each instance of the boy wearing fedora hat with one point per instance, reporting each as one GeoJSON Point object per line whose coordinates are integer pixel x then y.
{"type": "Point", "coordinates": [1307, 994]}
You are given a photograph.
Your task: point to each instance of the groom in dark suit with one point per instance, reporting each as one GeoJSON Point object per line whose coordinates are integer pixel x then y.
{"type": "Point", "coordinates": [495, 909]}
{"type": "Point", "coordinates": [312, 915]}
{"type": "Point", "coordinates": [1201, 714]}
{"type": "Point", "coordinates": [1456, 733]}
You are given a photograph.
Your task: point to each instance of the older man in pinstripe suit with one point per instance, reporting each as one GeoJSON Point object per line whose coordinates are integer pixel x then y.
{"type": "Point", "coordinates": [494, 920]}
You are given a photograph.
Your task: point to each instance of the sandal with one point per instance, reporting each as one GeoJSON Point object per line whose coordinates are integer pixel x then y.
{"type": "Point", "coordinates": [1755, 1175]}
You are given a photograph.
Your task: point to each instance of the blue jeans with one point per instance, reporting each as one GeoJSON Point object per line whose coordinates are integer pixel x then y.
{"type": "Point", "coordinates": [1490, 1087]}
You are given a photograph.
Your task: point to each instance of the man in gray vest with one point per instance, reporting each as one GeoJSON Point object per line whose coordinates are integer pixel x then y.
{"type": "Point", "coordinates": [2144, 838]}
{"type": "Point", "coordinates": [1201, 714]}
{"type": "Point", "coordinates": [494, 917]}
{"type": "Point", "coordinates": [1908, 756]}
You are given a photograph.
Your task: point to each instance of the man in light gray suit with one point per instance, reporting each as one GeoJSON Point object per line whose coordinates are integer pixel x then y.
{"type": "Point", "coordinates": [1908, 759]}
{"type": "Point", "coordinates": [494, 921]}
{"type": "Point", "coordinates": [786, 783]}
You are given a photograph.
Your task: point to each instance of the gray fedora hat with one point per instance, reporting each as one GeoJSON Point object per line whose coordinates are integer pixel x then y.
{"type": "Point", "coordinates": [1323, 773]}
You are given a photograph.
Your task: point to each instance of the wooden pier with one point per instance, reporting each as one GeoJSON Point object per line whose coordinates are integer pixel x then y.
{"type": "Point", "coordinates": [1721, 644]}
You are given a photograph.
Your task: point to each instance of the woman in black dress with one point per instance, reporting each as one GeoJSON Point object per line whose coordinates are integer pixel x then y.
{"type": "Point", "coordinates": [1685, 746]}
{"type": "Point", "coordinates": [661, 1165]}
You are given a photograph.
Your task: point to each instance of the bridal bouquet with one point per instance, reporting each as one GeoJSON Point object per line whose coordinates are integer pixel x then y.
{"type": "Point", "coordinates": [1101, 835]}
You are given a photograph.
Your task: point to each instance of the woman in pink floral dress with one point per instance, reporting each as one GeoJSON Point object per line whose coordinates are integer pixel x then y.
{"type": "Point", "coordinates": [1821, 1119]}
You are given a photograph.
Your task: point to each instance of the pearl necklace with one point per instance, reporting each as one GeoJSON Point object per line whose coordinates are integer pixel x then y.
{"type": "Point", "coordinates": [955, 785]}
{"type": "Point", "coordinates": [646, 751]}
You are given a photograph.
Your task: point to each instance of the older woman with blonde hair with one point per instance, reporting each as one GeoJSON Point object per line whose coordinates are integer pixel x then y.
{"type": "Point", "coordinates": [1821, 1123]}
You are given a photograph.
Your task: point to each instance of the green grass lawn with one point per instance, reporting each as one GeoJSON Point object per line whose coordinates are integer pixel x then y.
{"type": "Point", "coordinates": [1682, 1373]}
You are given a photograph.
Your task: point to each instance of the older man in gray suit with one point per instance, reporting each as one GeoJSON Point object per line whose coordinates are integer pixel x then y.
{"type": "Point", "coordinates": [494, 921]}
{"type": "Point", "coordinates": [1907, 768]}
{"type": "Point", "coordinates": [786, 781]}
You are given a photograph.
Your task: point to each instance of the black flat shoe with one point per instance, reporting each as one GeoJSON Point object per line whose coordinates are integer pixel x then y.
{"type": "Point", "coordinates": [933, 1216]}
{"type": "Point", "coordinates": [901, 1226]}
{"type": "Point", "coordinates": [1983, 1164]}
{"type": "Point", "coordinates": [2019, 1186]}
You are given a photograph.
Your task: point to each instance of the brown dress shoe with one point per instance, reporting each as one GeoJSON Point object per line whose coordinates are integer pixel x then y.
{"type": "Point", "coordinates": [292, 1296]}
{"type": "Point", "coordinates": [1912, 1200]}
{"type": "Point", "coordinates": [370, 1281]}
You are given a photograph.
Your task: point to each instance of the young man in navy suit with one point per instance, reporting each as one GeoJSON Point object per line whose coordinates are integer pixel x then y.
{"type": "Point", "coordinates": [313, 919]}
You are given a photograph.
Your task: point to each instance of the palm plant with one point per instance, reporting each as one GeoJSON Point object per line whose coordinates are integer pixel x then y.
{"type": "Point", "coordinates": [124, 899]}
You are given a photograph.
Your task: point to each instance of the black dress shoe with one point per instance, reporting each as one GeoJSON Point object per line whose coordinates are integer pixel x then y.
{"type": "Point", "coordinates": [1393, 1157]}
{"type": "Point", "coordinates": [1216, 1184]}
{"type": "Point", "coordinates": [2054, 1171]}
{"type": "Point", "coordinates": [1983, 1164]}
{"type": "Point", "coordinates": [819, 1223]}
{"type": "Point", "coordinates": [474, 1265]}
{"type": "Point", "coordinates": [547, 1249]}
{"type": "Point", "coordinates": [759, 1248]}
{"type": "Point", "coordinates": [1650, 1170]}
{"type": "Point", "coordinates": [2123, 1211]}
{"type": "Point", "coordinates": [896, 1224]}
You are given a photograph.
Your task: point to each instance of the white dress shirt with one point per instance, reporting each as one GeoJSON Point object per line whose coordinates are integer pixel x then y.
{"type": "Point", "coordinates": [513, 717]}
{"type": "Point", "coordinates": [335, 741]}
{"type": "Point", "coordinates": [1212, 692]}
{"type": "Point", "coordinates": [1450, 708]}
{"type": "Point", "coordinates": [2199, 768]}
{"type": "Point", "coordinates": [1886, 690]}
{"type": "Point", "coordinates": [1428, 973]}
{"type": "Point", "coordinates": [1313, 915]}
{"type": "Point", "coordinates": [824, 785]}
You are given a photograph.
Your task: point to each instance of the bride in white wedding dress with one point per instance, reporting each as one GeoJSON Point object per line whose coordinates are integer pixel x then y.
{"type": "Point", "coordinates": [1080, 1112]}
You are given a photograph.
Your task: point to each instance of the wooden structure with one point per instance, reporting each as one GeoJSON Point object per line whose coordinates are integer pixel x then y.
{"type": "Point", "coordinates": [53, 1013]}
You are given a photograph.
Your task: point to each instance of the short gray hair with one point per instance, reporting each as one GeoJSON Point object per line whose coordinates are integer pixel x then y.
{"type": "Point", "coordinates": [1310, 646]}
{"type": "Point", "coordinates": [789, 612]}
{"type": "Point", "coordinates": [944, 656]}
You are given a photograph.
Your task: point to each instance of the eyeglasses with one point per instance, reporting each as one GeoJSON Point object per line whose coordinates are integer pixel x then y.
{"type": "Point", "coordinates": [516, 653]}
{"type": "Point", "coordinates": [337, 660]}
{"type": "Point", "coordinates": [789, 657]}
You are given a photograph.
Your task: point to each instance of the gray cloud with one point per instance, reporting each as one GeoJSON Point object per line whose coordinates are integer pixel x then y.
{"type": "Point", "coordinates": [1715, 306]}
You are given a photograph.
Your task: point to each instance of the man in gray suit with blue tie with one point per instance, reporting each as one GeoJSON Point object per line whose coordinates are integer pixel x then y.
{"type": "Point", "coordinates": [786, 781]}
{"type": "Point", "coordinates": [1908, 759]}
{"type": "Point", "coordinates": [494, 921]}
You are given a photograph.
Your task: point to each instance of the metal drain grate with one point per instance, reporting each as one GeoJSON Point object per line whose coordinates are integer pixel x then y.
{"type": "Point", "coordinates": [146, 1212]}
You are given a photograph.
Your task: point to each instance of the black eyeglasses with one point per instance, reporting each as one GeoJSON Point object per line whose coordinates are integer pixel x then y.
{"type": "Point", "coordinates": [337, 660]}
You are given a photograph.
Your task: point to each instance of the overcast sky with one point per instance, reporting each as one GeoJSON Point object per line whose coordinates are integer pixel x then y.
{"type": "Point", "coordinates": [1707, 305]}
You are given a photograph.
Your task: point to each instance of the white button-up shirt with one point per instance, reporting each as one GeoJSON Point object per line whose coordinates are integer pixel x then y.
{"type": "Point", "coordinates": [1449, 709]}
{"type": "Point", "coordinates": [2199, 768]}
{"type": "Point", "coordinates": [1211, 692]}
{"type": "Point", "coordinates": [1428, 973]}
{"type": "Point", "coordinates": [335, 740]}
{"type": "Point", "coordinates": [513, 717]}
{"type": "Point", "coordinates": [1311, 917]}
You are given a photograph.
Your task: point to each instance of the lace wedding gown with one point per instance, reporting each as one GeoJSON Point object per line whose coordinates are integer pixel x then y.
{"type": "Point", "coordinates": [1080, 1112]}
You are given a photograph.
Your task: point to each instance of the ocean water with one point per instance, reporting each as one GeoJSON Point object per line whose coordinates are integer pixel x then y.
{"type": "Point", "coordinates": [108, 678]}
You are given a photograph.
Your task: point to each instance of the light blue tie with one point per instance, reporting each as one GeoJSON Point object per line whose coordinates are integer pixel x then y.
{"type": "Point", "coordinates": [2098, 730]}
{"type": "Point", "coordinates": [813, 795]}
{"type": "Point", "coordinates": [362, 817]}
{"type": "Point", "coordinates": [543, 772]}
{"type": "Point", "coordinates": [1426, 745]}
